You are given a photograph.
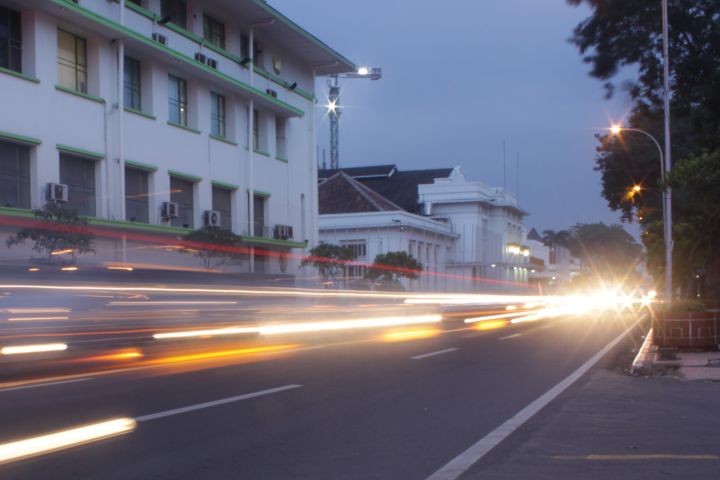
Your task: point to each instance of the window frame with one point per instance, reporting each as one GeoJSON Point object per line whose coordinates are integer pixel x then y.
{"type": "Point", "coordinates": [225, 214]}
{"type": "Point", "coordinates": [20, 177]}
{"type": "Point", "coordinates": [181, 103]}
{"type": "Point", "coordinates": [182, 205]}
{"type": "Point", "coordinates": [80, 69]}
{"type": "Point", "coordinates": [176, 10]}
{"type": "Point", "coordinates": [218, 115]}
{"type": "Point", "coordinates": [89, 209]}
{"type": "Point", "coordinates": [11, 44]}
{"type": "Point", "coordinates": [214, 31]}
{"type": "Point", "coordinates": [143, 202]}
{"type": "Point", "coordinates": [134, 85]}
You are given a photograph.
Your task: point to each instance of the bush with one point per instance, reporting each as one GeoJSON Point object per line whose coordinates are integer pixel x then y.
{"type": "Point", "coordinates": [215, 246]}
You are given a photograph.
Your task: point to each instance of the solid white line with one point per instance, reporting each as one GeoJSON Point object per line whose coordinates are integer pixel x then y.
{"type": "Point", "coordinates": [200, 406]}
{"type": "Point", "coordinates": [49, 384]}
{"type": "Point", "coordinates": [432, 354]}
{"type": "Point", "coordinates": [460, 464]}
{"type": "Point", "coordinates": [510, 336]}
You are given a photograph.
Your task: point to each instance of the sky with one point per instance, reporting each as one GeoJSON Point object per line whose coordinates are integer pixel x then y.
{"type": "Point", "coordinates": [461, 77]}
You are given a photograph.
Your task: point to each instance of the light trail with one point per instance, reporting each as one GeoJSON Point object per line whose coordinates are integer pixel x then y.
{"type": "Point", "coordinates": [37, 310]}
{"type": "Point", "coordinates": [35, 319]}
{"type": "Point", "coordinates": [23, 349]}
{"type": "Point", "coordinates": [169, 302]}
{"type": "Point", "coordinates": [53, 442]}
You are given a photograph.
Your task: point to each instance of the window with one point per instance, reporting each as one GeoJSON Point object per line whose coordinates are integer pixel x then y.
{"type": "Point", "coordinates": [132, 84]}
{"type": "Point", "coordinates": [217, 114]}
{"type": "Point", "coordinates": [136, 2]}
{"type": "Point", "coordinates": [280, 138]}
{"type": "Point", "coordinates": [259, 216]}
{"type": "Point", "coordinates": [359, 249]}
{"type": "Point", "coordinates": [214, 31]}
{"type": "Point", "coordinates": [72, 61]}
{"type": "Point", "coordinates": [256, 130]}
{"type": "Point", "coordinates": [79, 175]}
{"type": "Point", "coordinates": [182, 193]}
{"type": "Point", "coordinates": [14, 175]}
{"type": "Point", "coordinates": [176, 10]}
{"type": "Point", "coordinates": [257, 54]}
{"type": "Point", "coordinates": [177, 99]}
{"type": "Point", "coordinates": [136, 195]}
{"type": "Point", "coordinates": [222, 202]}
{"type": "Point", "coordinates": [244, 46]}
{"type": "Point", "coordinates": [10, 40]}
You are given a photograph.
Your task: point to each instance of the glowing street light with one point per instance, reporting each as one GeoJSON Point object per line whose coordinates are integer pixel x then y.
{"type": "Point", "coordinates": [616, 130]}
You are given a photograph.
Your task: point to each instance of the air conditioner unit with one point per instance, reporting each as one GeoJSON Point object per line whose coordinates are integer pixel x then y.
{"type": "Point", "coordinates": [211, 218]}
{"type": "Point", "coordinates": [212, 63]}
{"type": "Point", "coordinates": [282, 232]}
{"type": "Point", "coordinates": [57, 192]}
{"type": "Point", "coordinates": [200, 57]}
{"type": "Point", "coordinates": [271, 92]}
{"type": "Point", "coordinates": [170, 210]}
{"type": "Point", "coordinates": [159, 38]}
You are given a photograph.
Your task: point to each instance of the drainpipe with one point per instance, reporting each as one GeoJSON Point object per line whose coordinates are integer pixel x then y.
{"type": "Point", "coordinates": [251, 148]}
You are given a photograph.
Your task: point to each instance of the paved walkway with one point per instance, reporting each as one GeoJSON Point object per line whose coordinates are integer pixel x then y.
{"type": "Point", "coordinates": [614, 426]}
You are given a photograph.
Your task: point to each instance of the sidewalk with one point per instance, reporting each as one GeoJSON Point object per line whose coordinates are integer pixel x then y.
{"type": "Point", "coordinates": [615, 426]}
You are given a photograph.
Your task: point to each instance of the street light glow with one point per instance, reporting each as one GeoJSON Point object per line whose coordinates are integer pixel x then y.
{"type": "Point", "coordinates": [363, 71]}
{"type": "Point", "coordinates": [615, 129]}
{"type": "Point", "coordinates": [331, 106]}
{"type": "Point", "coordinates": [636, 188]}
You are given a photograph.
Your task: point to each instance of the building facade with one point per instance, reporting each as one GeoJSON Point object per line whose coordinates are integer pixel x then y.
{"type": "Point", "coordinates": [470, 236]}
{"type": "Point", "coordinates": [163, 116]}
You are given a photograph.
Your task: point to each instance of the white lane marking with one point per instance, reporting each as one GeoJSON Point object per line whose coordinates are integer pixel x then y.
{"type": "Point", "coordinates": [510, 336]}
{"type": "Point", "coordinates": [47, 384]}
{"type": "Point", "coordinates": [432, 354]}
{"type": "Point", "coordinates": [215, 403]}
{"type": "Point", "coordinates": [460, 464]}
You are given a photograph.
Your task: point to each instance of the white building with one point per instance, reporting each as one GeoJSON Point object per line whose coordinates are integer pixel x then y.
{"type": "Point", "coordinates": [551, 267]}
{"type": "Point", "coordinates": [469, 236]}
{"type": "Point", "coordinates": [208, 105]}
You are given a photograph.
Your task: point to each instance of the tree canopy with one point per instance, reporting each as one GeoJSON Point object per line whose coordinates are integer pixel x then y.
{"type": "Point", "coordinates": [329, 259]}
{"type": "Point", "coordinates": [389, 267]}
{"type": "Point", "coordinates": [619, 35]}
{"type": "Point", "coordinates": [606, 249]}
{"type": "Point", "coordinates": [215, 246]}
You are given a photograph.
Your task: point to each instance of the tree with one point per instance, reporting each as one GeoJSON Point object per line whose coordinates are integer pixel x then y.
{"type": "Point", "coordinates": [618, 34]}
{"type": "Point", "coordinates": [608, 249]}
{"type": "Point", "coordinates": [59, 230]}
{"type": "Point", "coordinates": [389, 267]}
{"type": "Point", "coordinates": [329, 259]}
{"type": "Point", "coordinates": [552, 239]}
{"type": "Point", "coordinates": [215, 246]}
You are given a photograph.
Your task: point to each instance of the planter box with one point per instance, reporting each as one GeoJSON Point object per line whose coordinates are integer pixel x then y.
{"type": "Point", "coordinates": [687, 330]}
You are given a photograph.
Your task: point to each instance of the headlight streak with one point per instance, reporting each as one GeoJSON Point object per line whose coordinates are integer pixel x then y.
{"type": "Point", "coordinates": [53, 442]}
{"type": "Point", "coordinates": [408, 335]}
{"type": "Point", "coordinates": [169, 302]}
{"type": "Point", "coordinates": [23, 349]}
{"type": "Point", "coordinates": [37, 310]}
{"type": "Point", "coordinates": [330, 325]}
{"type": "Point", "coordinates": [35, 319]}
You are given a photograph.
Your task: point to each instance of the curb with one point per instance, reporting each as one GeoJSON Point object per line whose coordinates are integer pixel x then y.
{"type": "Point", "coordinates": [644, 359]}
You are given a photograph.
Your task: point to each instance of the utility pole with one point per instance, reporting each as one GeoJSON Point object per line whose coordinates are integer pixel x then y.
{"type": "Point", "coordinates": [668, 161]}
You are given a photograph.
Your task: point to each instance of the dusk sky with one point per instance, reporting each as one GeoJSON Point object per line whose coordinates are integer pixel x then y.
{"type": "Point", "coordinates": [459, 78]}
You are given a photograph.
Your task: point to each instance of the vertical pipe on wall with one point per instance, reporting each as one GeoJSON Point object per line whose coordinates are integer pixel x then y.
{"type": "Point", "coordinates": [251, 148]}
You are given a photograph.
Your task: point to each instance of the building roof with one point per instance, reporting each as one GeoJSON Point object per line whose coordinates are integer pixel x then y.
{"type": "Point", "coordinates": [399, 187]}
{"type": "Point", "coordinates": [342, 194]}
{"type": "Point", "coordinates": [534, 235]}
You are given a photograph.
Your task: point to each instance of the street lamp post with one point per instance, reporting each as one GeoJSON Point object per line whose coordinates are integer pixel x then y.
{"type": "Point", "coordinates": [333, 107]}
{"type": "Point", "coordinates": [667, 219]}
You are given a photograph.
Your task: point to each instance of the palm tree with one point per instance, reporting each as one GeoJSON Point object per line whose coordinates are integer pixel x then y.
{"type": "Point", "coordinates": [553, 239]}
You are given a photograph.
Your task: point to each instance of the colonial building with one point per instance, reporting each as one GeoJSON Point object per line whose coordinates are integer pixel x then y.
{"type": "Point", "coordinates": [158, 117]}
{"type": "Point", "coordinates": [468, 236]}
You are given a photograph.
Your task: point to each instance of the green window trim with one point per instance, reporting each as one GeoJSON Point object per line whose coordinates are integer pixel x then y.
{"type": "Point", "coordinates": [282, 159]}
{"type": "Point", "coordinates": [80, 152]}
{"type": "Point", "coordinates": [147, 227]}
{"type": "Point", "coordinates": [185, 176]}
{"type": "Point", "coordinates": [183, 127]}
{"type": "Point", "coordinates": [71, 6]}
{"type": "Point", "coordinates": [140, 10]}
{"type": "Point", "coordinates": [260, 193]}
{"type": "Point", "coordinates": [141, 166]}
{"type": "Point", "coordinates": [142, 114]}
{"type": "Point", "coordinates": [223, 139]}
{"type": "Point", "coordinates": [271, 242]}
{"type": "Point", "coordinates": [14, 138]}
{"type": "Point", "coordinates": [17, 212]}
{"type": "Point", "coordinates": [19, 75]}
{"type": "Point", "coordinates": [260, 152]}
{"type": "Point", "coordinates": [227, 186]}
{"type": "Point", "coordinates": [79, 94]}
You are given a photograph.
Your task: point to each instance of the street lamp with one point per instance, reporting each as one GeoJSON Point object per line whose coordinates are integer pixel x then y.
{"type": "Point", "coordinates": [617, 129]}
{"type": "Point", "coordinates": [333, 107]}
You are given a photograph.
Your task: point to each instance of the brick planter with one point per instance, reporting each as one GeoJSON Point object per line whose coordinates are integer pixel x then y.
{"type": "Point", "coordinates": [687, 330]}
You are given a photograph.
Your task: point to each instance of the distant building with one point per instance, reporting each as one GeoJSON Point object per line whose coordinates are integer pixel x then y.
{"type": "Point", "coordinates": [150, 116]}
{"type": "Point", "coordinates": [551, 267]}
{"type": "Point", "coordinates": [468, 236]}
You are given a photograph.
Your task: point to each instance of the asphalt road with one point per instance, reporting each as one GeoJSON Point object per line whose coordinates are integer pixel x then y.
{"type": "Point", "coordinates": [343, 406]}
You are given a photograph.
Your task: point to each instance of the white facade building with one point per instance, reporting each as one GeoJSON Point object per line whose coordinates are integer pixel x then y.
{"type": "Point", "coordinates": [469, 235]}
{"type": "Point", "coordinates": [554, 266]}
{"type": "Point", "coordinates": [207, 105]}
